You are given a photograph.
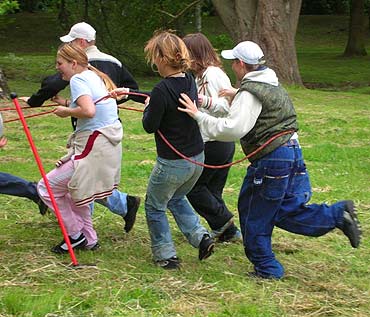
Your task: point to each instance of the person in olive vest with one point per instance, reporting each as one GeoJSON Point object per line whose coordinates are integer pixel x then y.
{"type": "Point", "coordinates": [276, 188]}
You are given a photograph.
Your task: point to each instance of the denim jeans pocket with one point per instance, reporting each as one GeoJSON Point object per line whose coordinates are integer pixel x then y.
{"type": "Point", "coordinates": [300, 184]}
{"type": "Point", "coordinates": [158, 175]}
{"type": "Point", "coordinates": [275, 183]}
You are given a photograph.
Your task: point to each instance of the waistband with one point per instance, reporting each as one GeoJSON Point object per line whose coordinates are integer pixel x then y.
{"type": "Point", "coordinates": [291, 142]}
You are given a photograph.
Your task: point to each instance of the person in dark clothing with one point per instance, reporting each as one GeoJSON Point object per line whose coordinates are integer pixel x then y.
{"type": "Point", "coordinates": [50, 86]}
{"type": "Point", "coordinates": [206, 195]}
{"type": "Point", "coordinates": [83, 36]}
{"type": "Point", "coordinates": [15, 186]}
{"type": "Point", "coordinates": [172, 176]}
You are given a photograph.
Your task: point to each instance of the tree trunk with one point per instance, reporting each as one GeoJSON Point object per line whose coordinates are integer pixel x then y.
{"type": "Point", "coordinates": [358, 28]}
{"type": "Point", "coordinates": [198, 17]}
{"type": "Point", "coordinates": [63, 15]}
{"type": "Point", "coordinates": [272, 25]}
{"type": "Point", "coordinates": [4, 89]}
{"type": "Point", "coordinates": [86, 10]}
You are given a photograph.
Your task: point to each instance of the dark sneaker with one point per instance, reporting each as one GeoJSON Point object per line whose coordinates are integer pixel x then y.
{"type": "Point", "coordinates": [78, 243]}
{"type": "Point", "coordinates": [133, 203]}
{"type": "Point", "coordinates": [42, 207]}
{"type": "Point", "coordinates": [206, 247]}
{"type": "Point", "coordinates": [169, 264]}
{"type": "Point", "coordinates": [218, 232]}
{"type": "Point", "coordinates": [351, 226]}
{"type": "Point", "coordinates": [231, 236]}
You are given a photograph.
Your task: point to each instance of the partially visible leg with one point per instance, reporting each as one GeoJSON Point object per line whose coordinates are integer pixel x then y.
{"type": "Point", "coordinates": [16, 186]}
{"type": "Point", "coordinates": [206, 194]}
{"type": "Point", "coordinates": [257, 222]}
{"type": "Point", "coordinates": [116, 203]}
{"type": "Point", "coordinates": [187, 220]}
{"type": "Point", "coordinates": [157, 196]}
{"type": "Point", "coordinates": [123, 205]}
{"type": "Point", "coordinates": [296, 216]}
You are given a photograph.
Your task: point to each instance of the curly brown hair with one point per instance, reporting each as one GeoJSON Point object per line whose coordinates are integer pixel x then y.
{"type": "Point", "coordinates": [170, 49]}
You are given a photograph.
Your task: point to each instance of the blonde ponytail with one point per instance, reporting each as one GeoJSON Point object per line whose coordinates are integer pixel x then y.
{"type": "Point", "coordinates": [108, 82]}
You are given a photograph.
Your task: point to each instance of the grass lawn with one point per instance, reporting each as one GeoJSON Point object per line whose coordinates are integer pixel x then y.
{"type": "Point", "coordinates": [324, 276]}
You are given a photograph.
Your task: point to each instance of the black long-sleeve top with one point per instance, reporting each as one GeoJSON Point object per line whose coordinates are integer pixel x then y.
{"type": "Point", "coordinates": [162, 114]}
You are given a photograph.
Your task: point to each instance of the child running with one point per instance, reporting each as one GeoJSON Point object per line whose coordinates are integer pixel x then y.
{"type": "Point", "coordinates": [92, 167]}
{"type": "Point", "coordinates": [206, 195]}
{"type": "Point", "coordinates": [172, 176]}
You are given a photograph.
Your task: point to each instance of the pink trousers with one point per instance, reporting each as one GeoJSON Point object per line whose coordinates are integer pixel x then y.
{"type": "Point", "coordinates": [75, 219]}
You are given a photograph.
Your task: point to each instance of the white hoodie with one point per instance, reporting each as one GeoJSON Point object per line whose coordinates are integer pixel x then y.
{"type": "Point", "coordinates": [243, 114]}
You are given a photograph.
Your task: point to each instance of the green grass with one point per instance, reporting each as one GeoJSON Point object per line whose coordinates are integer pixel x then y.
{"type": "Point", "coordinates": [324, 276]}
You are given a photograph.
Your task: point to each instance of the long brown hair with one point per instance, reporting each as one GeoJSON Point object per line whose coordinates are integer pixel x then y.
{"type": "Point", "coordinates": [71, 53]}
{"type": "Point", "coordinates": [202, 52]}
{"type": "Point", "coordinates": [169, 48]}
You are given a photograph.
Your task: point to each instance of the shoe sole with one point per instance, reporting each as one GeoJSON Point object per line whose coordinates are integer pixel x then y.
{"type": "Point", "coordinates": [350, 208]}
{"type": "Point", "coordinates": [62, 251]}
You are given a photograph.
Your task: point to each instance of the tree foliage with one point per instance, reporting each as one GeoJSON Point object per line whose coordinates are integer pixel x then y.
{"type": "Point", "coordinates": [124, 26]}
{"type": "Point", "coordinates": [325, 6]}
{"type": "Point", "coordinates": [8, 6]}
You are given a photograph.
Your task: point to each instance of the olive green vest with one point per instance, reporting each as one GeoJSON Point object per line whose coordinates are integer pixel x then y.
{"type": "Point", "coordinates": [277, 115]}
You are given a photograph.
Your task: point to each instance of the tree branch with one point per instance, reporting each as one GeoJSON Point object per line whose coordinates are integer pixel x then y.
{"type": "Point", "coordinates": [181, 13]}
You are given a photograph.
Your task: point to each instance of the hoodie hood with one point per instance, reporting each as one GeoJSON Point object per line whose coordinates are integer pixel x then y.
{"type": "Point", "coordinates": [263, 75]}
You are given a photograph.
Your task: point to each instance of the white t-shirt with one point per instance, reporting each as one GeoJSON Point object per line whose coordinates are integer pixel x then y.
{"type": "Point", "coordinates": [89, 83]}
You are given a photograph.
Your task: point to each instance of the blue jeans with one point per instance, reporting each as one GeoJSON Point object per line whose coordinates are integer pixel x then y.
{"type": "Point", "coordinates": [275, 192]}
{"type": "Point", "coordinates": [116, 203]}
{"type": "Point", "coordinates": [168, 185]}
{"type": "Point", "coordinates": [16, 186]}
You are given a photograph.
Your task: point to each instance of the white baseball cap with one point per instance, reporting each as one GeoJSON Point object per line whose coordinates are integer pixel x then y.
{"type": "Point", "coordinates": [247, 51]}
{"type": "Point", "coordinates": [80, 30]}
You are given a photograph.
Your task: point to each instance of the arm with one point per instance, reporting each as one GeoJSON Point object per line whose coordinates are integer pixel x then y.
{"type": "Point", "coordinates": [214, 81]}
{"type": "Point", "coordinates": [153, 112]}
{"type": "Point", "coordinates": [82, 104]}
{"type": "Point", "coordinates": [85, 109]}
{"type": "Point", "coordinates": [141, 99]}
{"type": "Point", "coordinates": [241, 119]}
{"type": "Point", "coordinates": [50, 86]}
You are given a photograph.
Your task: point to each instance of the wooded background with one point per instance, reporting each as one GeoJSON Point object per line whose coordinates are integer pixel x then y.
{"type": "Point", "coordinates": [124, 26]}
